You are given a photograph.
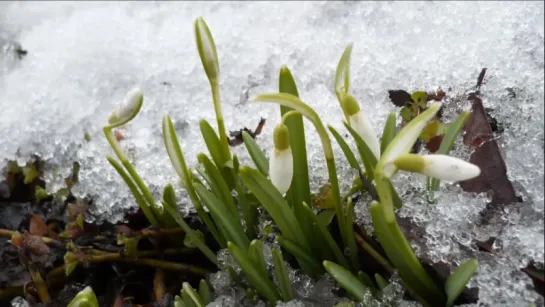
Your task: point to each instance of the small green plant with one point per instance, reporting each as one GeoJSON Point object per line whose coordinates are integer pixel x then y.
{"type": "Point", "coordinates": [227, 195]}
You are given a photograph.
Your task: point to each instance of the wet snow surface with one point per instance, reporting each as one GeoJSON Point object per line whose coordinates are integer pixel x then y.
{"type": "Point", "coordinates": [83, 57]}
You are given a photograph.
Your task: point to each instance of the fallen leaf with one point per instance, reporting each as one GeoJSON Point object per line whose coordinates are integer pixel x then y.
{"type": "Point", "coordinates": [38, 227]}
{"type": "Point", "coordinates": [487, 155]}
{"type": "Point", "coordinates": [399, 97]}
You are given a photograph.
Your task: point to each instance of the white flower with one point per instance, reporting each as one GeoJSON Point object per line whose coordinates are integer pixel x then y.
{"type": "Point", "coordinates": [281, 160]}
{"type": "Point", "coordinates": [281, 169]}
{"type": "Point", "coordinates": [404, 140]}
{"type": "Point", "coordinates": [360, 123]}
{"type": "Point", "coordinates": [128, 109]}
{"type": "Point", "coordinates": [437, 166]}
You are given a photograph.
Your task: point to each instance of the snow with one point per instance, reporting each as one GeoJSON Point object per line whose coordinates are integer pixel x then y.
{"type": "Point", "coordinates": [83, 58]}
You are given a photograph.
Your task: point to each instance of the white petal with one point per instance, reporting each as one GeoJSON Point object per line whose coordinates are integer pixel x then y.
{"type": "Point", "coordinates": [449, 168]}
{"type": "Point", "coordinates": [132, 99]}
{"type": "Point", "coordinates": [281, 169]}
{"type": "Point", "coordinates": [361, 124]}
{"type": "Point", "coordinates": [404, 141]}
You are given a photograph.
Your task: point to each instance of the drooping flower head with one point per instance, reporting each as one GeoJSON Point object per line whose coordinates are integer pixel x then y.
{"type": "Point", "coordinates": [360, 123]}
{"type": "Point", "coordinates": [281, 160]}
{"type": "Point", "coordinates": [128, 109]}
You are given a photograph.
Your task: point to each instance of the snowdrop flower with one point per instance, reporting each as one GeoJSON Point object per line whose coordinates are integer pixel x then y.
{"type": "Point", "coordinates": [207, 49]}
{"type": "Point", "coordinates": [437, 166]}
{"type": "Point", "coordinates": [359, 122]}
{"type": "Point", "coordinates": [128, 109]}
{"type": "Point", "coordinates": [281, 160]}
{"type": "Point", "coordinates": [404, 140]}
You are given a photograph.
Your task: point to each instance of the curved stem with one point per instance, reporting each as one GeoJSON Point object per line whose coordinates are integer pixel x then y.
{"type": "Point", "coordinates": [288, 114]}
{"type": "Point", "coordinates": [125, 161]}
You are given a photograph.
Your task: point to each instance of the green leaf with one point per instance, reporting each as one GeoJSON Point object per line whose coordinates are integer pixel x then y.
{"type": "Point", "coordinates": [401, 255]}
{"type": "Point", "coordinates": [448, 142]}
{"type": "Point", "coordinates": [217, 184]}
{"type": "Point", "coordinates": [204, 292]}
{"type": "Point", "coordinates": [309, 263]}
{"type": "Point", "coordinates": [256, 153]}
{"type": "Point", "coordinates": [195, 239]}
{"type": "Point", "coordinates": [299, 191]}
{"type": "Point", "coordinates": [252, 270]}
{"type": "Point", "coordinates": [214, 146]}
{"type": "Point", "coordinates": [188, 301]}
{"type": "Point", "coordinates": [192, 294]}
{"type": "Point", "coordinates": [230, 223]}
{"type": "Point", "coordinates": [457, 281]}
{"type": "Point", "coordinates": [342, 74]}
{"type": "Point", "coordinates": [365, 279]}
{"type": "Point", "coordinates": [325, 217]}
{"type": "Point", "coordinates": [255, 253]}
{"type": "Point", "coordinates": [144, 206]}
{"type": "Point", "coordinates": [249, 211]}
{"type": "Point", "coordinates": [420, 98]}
{"type": "Point", "coordinates": [326, 237]}
{"type": "Point", "coordinates": [178, 161]}
{"type": "Point", "coordinates": [381, 282]}
{"type": "Point", "coordinates": [275, 204]}
{"type": "Point", "coordinates": [282, 277]}
{"type": "Point", "coordinates": [367, 157]}
{"type": "Point", "coordinates": [346, 280]}
{"type": "Point", "coordinates": [406, 114]}
{"type": "Point", "coordinates": [345, 148]}
{"type": "Point", "coordinates": [389, 132]}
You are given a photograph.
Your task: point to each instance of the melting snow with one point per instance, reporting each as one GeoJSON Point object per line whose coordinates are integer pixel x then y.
{"type": "Point", "coordinates": [83, 57]}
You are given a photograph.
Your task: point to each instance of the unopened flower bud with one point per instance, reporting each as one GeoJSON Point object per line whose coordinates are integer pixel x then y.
{"type": "Point", "coordinates": [207, 49]}
{"type": "Point", "coordinates": [128, 109]}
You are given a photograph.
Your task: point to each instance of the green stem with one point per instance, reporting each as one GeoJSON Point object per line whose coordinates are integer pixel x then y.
{"type": "Point", "coordinates": [219, 117]}
{"type": "Point", "coordinates": [132, 172]}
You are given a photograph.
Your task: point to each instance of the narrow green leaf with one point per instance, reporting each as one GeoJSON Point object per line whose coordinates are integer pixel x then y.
{"type": "Point", "coordinates": [389, 132]}
{"type": "Point", "coordinates": [282, 277]}
{"type": "Point", "coordinates": [256, 153]}
{"type": "Point", "coordinates": [218, 186]}
{"type": "Point", "coordinates": [326, 236]}
{"type": "Point", "coordinates": [353, 249]}
{"type": "Point", "coordinates": [312, 266]}
{"type": "Point", "coordinates": [249, 211]}
{"type": "Point", "coordinates": [448, 142]}
{"type": "Point", "coordinates": [195, 239]}
{"type": "Point", "coordinates": [204, 292]}
{"type": "Point", "coordinates": [458, 280]}
{"type": "Point", "coordinates": [401, 255]}
{"type": "Point", "coordinates": [262, 283]}
{"type": "Point", "coordinates": [345, 148]}
{"type": "Point", "coordinates": [177, 159]}
{"type": "Point", "coordinates": [215, 149]}
{"type": "Point", "coordinates": [193, 294]}
{"type": "Point", "coordinates": [342, 74]}
{"type": "Point", "coordinates": [299, 191]}
{"type": "Point", "coordinates": [365, 279]}
{"type": "Point", "coordinates": [381, 282]}
{"type": "Point", "coordinates": [325, 217]}
{"type": "Point", "coordinates": [398, 203]}
{"type": "Point", "coordinates": [367, 157]}
{"type": "Point", "coordinates": [188, 301]}
{"type": "Point", "coordinates": [346, 280]}
{"type": "Point", "coordinates": [178, 302]}
{"type": "Point", "coordinates": [275, 204]}
{"type": "Point", "coordinates": [144, 206]}
{"type": "Point", "coordinates": [255, 253]}
{"type": "Point", "coordinates": [230, 223]}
